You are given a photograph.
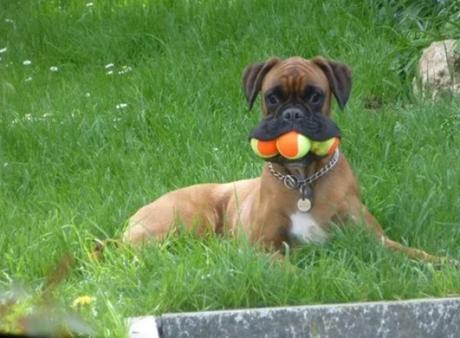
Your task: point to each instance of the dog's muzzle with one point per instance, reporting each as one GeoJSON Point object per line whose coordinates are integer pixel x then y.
{"type": "Point", "coordinates": [314, 125]}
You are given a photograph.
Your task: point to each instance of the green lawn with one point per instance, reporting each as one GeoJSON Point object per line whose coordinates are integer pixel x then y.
{"type": "Point", "coordinates": [83, 147]}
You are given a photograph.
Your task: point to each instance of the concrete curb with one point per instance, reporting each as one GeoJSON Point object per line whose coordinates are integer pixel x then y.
{"type": "Point", "coordinates": [438, 317]}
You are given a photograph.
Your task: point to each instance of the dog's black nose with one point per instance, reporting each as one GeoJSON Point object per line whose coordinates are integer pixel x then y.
{"type": "Point", "coordinates": [292, 114]}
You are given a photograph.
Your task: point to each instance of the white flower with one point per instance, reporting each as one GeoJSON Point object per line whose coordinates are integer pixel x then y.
{"type": "Point", "coordinates": [89, 4]}
{"type": "Point", "coordinates": [121, 106]}
{"type": "Point", "coordinates": [110, 72]}
{"type": "Point", "coordinates": [206, 276]}
{"type": "Point", "coordinates": [46, 115]}
{"type": "Point", "coordinates": [109, 65]}
{"type": "Point", "coordinates": [125, 69]}
{"type": "Point", "coordinates": [27, 62]}
{"type": "Point", "coordinates": [54, 68]}
{"type": "Point", "coordinates": [28, 79]}
{"type": "Point", "coordinates": [88, 94]}
{"type": "Point", "coordinates": [9, 20]}
{"type": "Point", "coordinates": [28, 117]}
{"type": "Point", "coordinates": [3, 50]}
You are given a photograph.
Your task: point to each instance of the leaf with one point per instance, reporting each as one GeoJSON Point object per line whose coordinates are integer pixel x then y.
{"type": "Point", "coordinates": [457, 47]}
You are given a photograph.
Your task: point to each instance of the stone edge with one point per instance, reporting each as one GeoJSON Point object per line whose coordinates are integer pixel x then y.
{"type": "Point", "coordinates": [150, 326]}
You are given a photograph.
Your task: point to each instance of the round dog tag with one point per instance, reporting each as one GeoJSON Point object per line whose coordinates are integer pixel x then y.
{"type": "Point", "coordinates": [304, 204]}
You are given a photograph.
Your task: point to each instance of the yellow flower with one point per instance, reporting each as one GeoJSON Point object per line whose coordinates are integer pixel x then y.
{"type": "Point", "coordinates": [82, 300]}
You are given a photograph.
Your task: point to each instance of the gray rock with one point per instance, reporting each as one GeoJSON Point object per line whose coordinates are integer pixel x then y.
{"type": "Point", "coordinates": [439, 69]}
{"type": "Point", "coordinates": [414, 318]}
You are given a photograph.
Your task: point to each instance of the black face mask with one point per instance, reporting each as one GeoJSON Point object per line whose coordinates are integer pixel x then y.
{"type": "Point", "coordinates": [317, 127]}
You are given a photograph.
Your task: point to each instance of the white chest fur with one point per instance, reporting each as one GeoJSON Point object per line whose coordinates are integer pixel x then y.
{"type": "Point", "coordinates": [305, 229]}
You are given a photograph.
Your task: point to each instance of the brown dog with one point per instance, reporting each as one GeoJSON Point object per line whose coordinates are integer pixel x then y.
{"type": "Point", "coordinates": [293, 199]}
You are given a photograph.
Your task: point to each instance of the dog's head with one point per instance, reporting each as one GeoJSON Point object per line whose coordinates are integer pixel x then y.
{"type": "Point", "coordinates": [296, 95]}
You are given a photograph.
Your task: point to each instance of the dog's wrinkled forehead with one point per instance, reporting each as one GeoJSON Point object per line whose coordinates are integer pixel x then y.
{"type": "Point", "coordinates": [294, 74]}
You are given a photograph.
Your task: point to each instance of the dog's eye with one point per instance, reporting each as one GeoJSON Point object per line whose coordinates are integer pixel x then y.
{"type": "Point", "coordinates": [272, 99]}
{"type": "Point", "coordinates": [315, 98]}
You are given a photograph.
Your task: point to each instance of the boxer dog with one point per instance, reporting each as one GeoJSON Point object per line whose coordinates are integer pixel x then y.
{"type": "Point", "coordinates": [293, 200]}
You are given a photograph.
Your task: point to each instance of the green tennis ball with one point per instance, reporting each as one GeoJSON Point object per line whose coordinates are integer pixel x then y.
{"type": "Point", "coordinates": [324, 148]}
{"type": "Point", "coordinates": [264, 149]}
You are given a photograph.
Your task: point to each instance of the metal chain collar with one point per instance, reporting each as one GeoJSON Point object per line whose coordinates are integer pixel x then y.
{"type": "Point", "coordinates": [292, 182]}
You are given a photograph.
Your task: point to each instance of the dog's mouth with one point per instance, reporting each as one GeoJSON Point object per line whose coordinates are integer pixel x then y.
{"type": "Point", "coordinates": [317, 127]}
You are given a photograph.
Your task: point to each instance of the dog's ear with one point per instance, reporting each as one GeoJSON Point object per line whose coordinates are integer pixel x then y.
{"type": "Point", "coordinates": [339, 77]}
{"type": "Point", "coordinates": [253, 76]}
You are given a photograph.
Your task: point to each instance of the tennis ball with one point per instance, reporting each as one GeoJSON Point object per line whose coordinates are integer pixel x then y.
{"type": "Point", "coordinates": [324, 148]}
{"type": "Point", "coordinates": [264, 149]}
{"type": "Point", "coordinates": [293, 145]}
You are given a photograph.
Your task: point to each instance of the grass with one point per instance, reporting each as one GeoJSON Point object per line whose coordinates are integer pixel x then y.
{"type": "Point", "coordinates": [74, 167]}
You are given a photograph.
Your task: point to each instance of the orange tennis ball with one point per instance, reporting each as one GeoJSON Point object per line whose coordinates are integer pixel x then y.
{"type": "Point", "coordinates": [325, 147]}
{"type": "Point", "coordinates": [264, 149]}
{"type": "Point", "coordinates": [293, 145]}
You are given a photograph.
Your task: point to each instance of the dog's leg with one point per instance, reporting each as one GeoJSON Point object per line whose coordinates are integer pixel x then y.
{"type": "Point", "coordinates": [192, 209]}
{"type": "Point", "coordinates": [359, 212]}
{"type": "Point", "coordinates": [372, 223]}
